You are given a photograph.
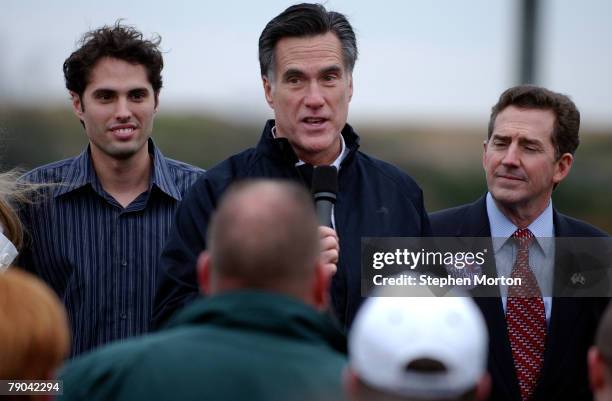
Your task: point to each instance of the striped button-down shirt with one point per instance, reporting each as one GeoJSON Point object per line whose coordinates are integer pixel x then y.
{"type": "Point", "coordinates": [100, 258]}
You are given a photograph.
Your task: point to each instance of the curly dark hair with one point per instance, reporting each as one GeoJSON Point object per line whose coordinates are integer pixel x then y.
{"type": "Point", "coordinates": [119, 41]}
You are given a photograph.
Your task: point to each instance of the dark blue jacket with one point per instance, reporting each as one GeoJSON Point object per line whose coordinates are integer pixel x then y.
{"type": "Point", "coordinates": [375, 199]}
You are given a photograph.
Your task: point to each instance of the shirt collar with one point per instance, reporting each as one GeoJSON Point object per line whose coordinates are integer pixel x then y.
{"type": "Point", "coordinates": [336, 162]}
{"type": "Point", "coordinates": [81, 172]}
{"type": "Point", "coordinates": [162, 177]}
{"type": "Point", "coordinates": [502, 228]}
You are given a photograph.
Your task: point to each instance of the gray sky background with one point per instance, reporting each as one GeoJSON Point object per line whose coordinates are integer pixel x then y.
{"type": "Point", "coordinates": [445, 60]}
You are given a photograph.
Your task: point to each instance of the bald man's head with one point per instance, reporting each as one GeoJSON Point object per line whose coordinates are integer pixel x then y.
{"type": "Point", "coordinates": [264, 236]}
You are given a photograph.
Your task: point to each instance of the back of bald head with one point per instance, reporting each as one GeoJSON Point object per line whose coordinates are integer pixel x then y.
{"type": "Point", "coordinates": [264, 236]}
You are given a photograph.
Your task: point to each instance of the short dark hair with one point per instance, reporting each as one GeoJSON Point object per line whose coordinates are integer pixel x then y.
{"type": "Point", "coordinates": [119, 41]}
{"type": "Point", "coordinates": [567, 117]}
{"type": "Point", "coordinates": [302, 20]}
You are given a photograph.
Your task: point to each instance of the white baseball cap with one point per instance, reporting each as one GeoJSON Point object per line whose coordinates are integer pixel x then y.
{"type": "Point", "coordinates": [391, 332]}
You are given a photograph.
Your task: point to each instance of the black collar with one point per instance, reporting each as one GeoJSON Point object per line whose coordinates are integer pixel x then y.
{"type": "Point", "coordinates": [280, 148]}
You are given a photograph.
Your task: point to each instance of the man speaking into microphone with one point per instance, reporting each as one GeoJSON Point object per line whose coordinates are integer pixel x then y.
{"type": "Point", "coordinates": [306, 56]}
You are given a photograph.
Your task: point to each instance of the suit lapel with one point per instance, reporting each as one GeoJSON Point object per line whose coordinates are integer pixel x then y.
{"type": "Point", "coordinates": [501, 364]}
{"type": "Point", "coordinates": [564, 314]}
{"type": "Point", "coordinates": [559, 341]}
{"type": "Point", "coordinates": [476, 221]}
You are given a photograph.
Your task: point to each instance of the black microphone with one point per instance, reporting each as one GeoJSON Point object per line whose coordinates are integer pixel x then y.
{"type": "Point", "coordinates": [324, 191]}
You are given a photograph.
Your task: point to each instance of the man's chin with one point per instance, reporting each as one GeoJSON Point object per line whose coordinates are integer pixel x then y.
{"type": "Point", "coordinates": [506, 196]}
{"type": "Point", "coordinates": [321, 148]}
{"type": "Point", "coordinates": [123, 152]}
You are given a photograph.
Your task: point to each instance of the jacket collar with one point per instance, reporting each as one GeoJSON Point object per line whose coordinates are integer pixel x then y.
{"type": "Point", "coordinates": [270, 313]}
{"type": "Point", "coordinates": [475, 221]}
{"type": "Point", "coordinates": [280, 148]}
{"type": "Point", "coordinates": [81, 173]}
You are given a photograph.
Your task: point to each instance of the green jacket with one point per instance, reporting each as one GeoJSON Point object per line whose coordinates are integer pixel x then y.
{"type": "Point", "coordinates": [243, 345]}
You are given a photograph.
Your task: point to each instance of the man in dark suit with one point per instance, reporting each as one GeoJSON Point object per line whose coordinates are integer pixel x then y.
{"type": "Point", "coordinates": [538, 343]}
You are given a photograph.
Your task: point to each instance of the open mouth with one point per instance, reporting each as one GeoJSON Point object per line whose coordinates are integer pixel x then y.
{"type": "Point", "coordinates": [314, 121]}
{"type": "Point", "coordinates": [123, 131]}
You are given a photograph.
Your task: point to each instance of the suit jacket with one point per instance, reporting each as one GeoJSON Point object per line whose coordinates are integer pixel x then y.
{"type": "Point", "coordinates": [572, 324]}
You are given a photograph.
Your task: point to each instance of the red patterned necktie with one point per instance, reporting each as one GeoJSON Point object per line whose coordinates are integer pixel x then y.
{"type": "Point", "coordinates": [526, 319]}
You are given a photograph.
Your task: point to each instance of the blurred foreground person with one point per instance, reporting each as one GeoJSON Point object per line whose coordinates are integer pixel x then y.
{"type": "Point", "coordinates": [600, 360]}
{"type": "Point", "coordinates": [417, 348]}
{"type": "Point", "coordinates": [34, 334]}
{"type": "Point", "coordinates": [96, 236]}
{"type": "Point", "coordinates": [258, 335]}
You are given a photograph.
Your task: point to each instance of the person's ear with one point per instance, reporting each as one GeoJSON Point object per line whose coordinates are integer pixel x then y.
{"type": "Point", "coordinates": [204, 273]}
{"type": "Point", "coordinates": [596, 369]}
{"type": "Point", "coordinates": [156, 102]}
{"type": "Point", "coordinates": [77, 104]}
{"type": "Point", "coordinates": [483, 387]}
{"type": "Point", "coordinates": [267, 85]}
{"type": "Point", "coordinates": [350, 383]}
{"type": "Point", "coordinates": [562, 167]}
{"type": "Point", "coordinates": [485, 143]}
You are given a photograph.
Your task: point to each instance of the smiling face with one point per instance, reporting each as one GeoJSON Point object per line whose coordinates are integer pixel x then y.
{"type": "Point", "coordinates": [117, 109]}
{"type": "Point", "coordinates": [310, 91]}
{"type": "Point", "coordinates": [519, 160]}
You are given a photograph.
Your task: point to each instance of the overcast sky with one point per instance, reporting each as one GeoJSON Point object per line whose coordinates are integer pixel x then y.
{"type": "Point", "coordinates": [446, 59]}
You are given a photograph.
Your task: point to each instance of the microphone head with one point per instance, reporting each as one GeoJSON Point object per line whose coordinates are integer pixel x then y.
{"type": "Point", "coordinates": [325, 179]}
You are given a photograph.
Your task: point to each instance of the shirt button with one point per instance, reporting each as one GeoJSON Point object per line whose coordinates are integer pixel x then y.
{"type": "Point", "coordinates": [5, 259]}
{"type": "Point", "coordinates": [124, 263]}
{"type": "Point", "coordinates": [123, 316]}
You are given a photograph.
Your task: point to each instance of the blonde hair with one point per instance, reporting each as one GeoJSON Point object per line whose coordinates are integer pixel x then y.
{"type": "Point", "coordinates": [34, 331]}
{"type": "Point", "coordinates": [13, 191]}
